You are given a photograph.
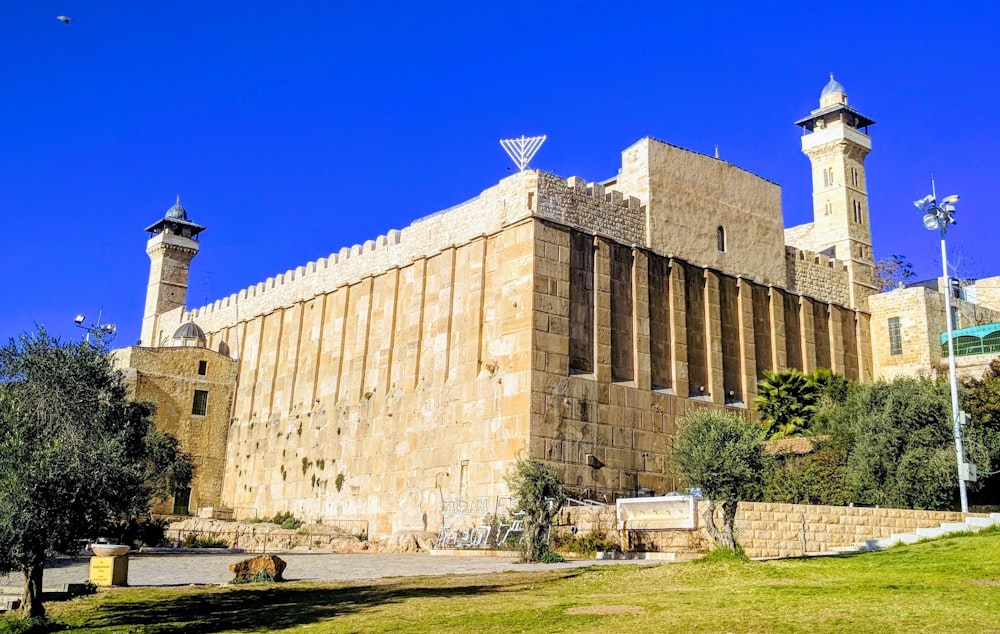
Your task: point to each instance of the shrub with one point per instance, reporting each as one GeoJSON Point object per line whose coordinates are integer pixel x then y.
{"type": "Point", "coordinates": [587, 545]}
{"type": "Point", "coordinates": [27, 625]}
{"type": "Point", "coordinates": [816, 478]}
{"type": "Point", "coordinates": [204, 541]}
{"type": "Point", "coordinates": [550, 557]}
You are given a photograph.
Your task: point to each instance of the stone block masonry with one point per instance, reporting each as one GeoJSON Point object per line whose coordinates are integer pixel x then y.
{"type": "Point", "coordinates": [767, 530]}
{"type": "Point", "coordinates": [572, 322]}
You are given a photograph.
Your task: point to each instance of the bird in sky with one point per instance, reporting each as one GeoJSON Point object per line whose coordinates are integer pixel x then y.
{"type": "Point", "coordinates": [63, 19]}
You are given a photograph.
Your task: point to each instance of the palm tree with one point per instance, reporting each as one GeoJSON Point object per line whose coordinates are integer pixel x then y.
{"type": "Point", "coordinates": [787, 401]}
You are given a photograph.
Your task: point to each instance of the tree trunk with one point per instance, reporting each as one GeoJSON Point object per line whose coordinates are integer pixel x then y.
{"type": "Point", "coordinates": [31, 601]}
{"type": "Point", "coordinates": [724, 537]}
{"type": "Point", "coordinates": [729, 523]}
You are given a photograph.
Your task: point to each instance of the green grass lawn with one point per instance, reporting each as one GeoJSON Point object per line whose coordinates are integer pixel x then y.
{"type": "Point", "coordinates": [947, 585]}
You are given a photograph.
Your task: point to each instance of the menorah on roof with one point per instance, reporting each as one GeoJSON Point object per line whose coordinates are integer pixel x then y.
{"type": "Point", "coordinates": [522, 150]}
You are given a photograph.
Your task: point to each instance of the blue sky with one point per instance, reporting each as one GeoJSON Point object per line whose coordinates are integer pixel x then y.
{"type": "Point", "coordinates": [293, 129]}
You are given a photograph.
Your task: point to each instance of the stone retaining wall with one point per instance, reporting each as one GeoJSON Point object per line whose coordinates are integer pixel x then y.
{"type": "Point", "coordinates": [771, 530]}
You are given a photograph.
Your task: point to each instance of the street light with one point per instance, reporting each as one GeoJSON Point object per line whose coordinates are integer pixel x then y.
{"type": "Point", "coordinates": [99, 330]}
{"type": "Point", "coordinates": [938, 216]}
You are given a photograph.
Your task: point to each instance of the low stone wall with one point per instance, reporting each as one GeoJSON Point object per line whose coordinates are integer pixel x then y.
{"type": "Point", "coordinates": [768, 530]}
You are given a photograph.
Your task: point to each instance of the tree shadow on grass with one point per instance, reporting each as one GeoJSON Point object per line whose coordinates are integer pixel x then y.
{"type": "Point", "coordinates": [273, 607]}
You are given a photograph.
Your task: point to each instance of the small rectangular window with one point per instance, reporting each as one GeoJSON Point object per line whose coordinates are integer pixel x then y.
{"type": "Point", "coordinates": [182, 500]}
{"type": "Point", "coordinates": [202, 367]}
{"type": "Point", "coordinates": [200, 404]}
{"type": "Point", "coordinates": [895, 337]}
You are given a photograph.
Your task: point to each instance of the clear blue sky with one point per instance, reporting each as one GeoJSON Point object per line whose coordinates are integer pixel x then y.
{"type": "Point", "coordinates": [293, 129]}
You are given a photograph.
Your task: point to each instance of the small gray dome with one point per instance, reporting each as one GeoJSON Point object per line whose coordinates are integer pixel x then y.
{"type": "Point", "coordinates": [190, 330]}
{"type": "Point", "coordinates": [833, 87]}
{"type": "Point", "coordinates": [177, 212]}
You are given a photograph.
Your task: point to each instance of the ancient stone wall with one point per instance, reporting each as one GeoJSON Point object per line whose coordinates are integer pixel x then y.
{"type": "Point", "coordinates": [603, 421]}
{"type": "Point", "coordinates": [379, 398]}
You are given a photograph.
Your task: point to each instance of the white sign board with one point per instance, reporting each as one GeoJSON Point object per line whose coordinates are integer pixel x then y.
{"type": "Point", "coordinates": [667, 512]}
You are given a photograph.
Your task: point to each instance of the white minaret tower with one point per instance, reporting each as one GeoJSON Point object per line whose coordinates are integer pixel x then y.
{"type": "Point", "coordinates": [836, 141]}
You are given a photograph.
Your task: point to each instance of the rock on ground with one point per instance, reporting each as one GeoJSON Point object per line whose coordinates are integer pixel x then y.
{"type": "Point", "coordinates": [256, 568]}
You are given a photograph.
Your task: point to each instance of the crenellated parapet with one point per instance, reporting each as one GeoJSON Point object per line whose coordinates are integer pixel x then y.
{"type": "Point", "coordinates": [531, 193]}
{"type": "Point", "coordinates": [817, 275]}
{"type": "Point", "coordinates": [592, 207]}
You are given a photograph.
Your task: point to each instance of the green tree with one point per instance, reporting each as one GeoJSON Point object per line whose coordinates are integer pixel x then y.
{"type": "Point", "coordinates": [76, 454]}
{"type": "Point", "coordinates": [981, 400]}
{"type": "Point", "coordinates": [819, 477]}
{"type": "Point", "coordinates": [540, 496]}
{"type": "Point", "coordinates": [786, 402]}
{"type": "Point", "coordinates": [901, 450]}
{"type": "Point", "coordinates": [724, 456]}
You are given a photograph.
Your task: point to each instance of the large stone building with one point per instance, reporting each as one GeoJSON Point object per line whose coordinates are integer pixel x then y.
{"type": "Point", "coordinates": [552, 318]}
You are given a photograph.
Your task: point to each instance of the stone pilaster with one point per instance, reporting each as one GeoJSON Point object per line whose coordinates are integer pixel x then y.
{"type": "Point", "coordinates": [678, 330]}
{"type": "Point", "coordinates": [713, 338]}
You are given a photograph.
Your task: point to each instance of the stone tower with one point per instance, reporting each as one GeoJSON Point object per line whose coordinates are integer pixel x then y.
{"type": "Point", "coordinates": [172, 245]}
{"type": "Point", "coordinates": [836, 141]}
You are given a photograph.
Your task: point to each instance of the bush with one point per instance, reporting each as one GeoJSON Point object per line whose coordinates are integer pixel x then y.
{"type": "Point", "coordinates": [550, 557]}
{"type": "Point", "coordinates": [27, 625]}
{"type": "Point", "coordinates": [204, 541]}
{"type": "Point", "coordinates": [587, 545]}
{"type": "Point", "coordinates": [290, 523]}
{"type": "Point", "coordinates": [816, 478]}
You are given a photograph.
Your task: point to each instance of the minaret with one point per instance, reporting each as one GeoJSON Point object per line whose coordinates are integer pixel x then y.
{"type": "Point", "coordinates": [172, 244]}
{"type": "Point", "coordinates": [836, 141]}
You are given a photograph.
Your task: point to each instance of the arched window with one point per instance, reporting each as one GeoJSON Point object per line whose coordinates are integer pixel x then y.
{"type": "Point", "coordinates": [720, 239]}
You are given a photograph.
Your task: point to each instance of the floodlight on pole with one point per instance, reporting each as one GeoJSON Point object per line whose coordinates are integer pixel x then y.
{"type": "Point", "coordinates": [938, 217]}
{"type": "Point", "coordinates": [99, 330]}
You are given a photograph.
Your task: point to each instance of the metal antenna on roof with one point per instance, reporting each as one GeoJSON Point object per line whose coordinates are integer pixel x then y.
{"type": "Point", "coordinates": [716, 150]}
{"type": "Point", "coordinates": [522, 150]}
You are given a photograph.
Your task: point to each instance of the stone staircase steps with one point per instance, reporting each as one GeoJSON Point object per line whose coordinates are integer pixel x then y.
{"type": "Point", "coordinates": [971, 524]}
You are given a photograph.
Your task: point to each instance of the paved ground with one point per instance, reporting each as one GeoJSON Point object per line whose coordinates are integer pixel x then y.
{"type": "Point", "coordinates": [174, 570]}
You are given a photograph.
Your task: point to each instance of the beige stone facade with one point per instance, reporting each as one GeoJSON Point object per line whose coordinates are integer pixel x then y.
{"type": "Point", "coordinates": [907, 324]}
{"type": "Point", "coordinates": [570, 321]}
{"type": "Point", "coordinates": [170, 377]}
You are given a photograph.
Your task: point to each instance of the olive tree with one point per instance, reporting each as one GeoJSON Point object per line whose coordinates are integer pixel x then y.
{"type": "Point", "coordinates": [540, 497]}
{"type": "Point", "coordinates": [724, 456]}
{"type": "Point", "coordinates": [76, 453]}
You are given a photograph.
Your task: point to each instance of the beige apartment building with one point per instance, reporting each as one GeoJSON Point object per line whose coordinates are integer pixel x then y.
{"type": "Point", "coordinates": [560, 319]}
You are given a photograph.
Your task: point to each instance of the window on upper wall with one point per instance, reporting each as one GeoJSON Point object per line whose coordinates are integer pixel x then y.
{"type": "Point", "coordinates": [720, 239]}
{"type": "Point", "coordinates": [858, 217]}
{"type": "Point", "coordinates": [202, 367]}
{"type": "Point", "coordinates": [199, 406]}
{"type": "Point", "coordinates": [895, 337]}
{"type": "Point", "coordinates": [854, 176]}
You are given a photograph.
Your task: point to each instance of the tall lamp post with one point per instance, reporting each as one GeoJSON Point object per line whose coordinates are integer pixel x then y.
{"type": "Point", "coordinates": [939, 216]}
